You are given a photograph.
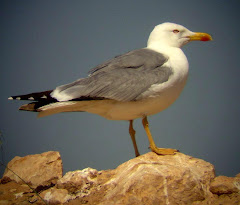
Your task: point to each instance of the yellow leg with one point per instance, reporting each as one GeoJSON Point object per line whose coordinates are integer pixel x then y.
{"type": "Point", "coordinates": [154, 148]}
{"type": "Point", "coordinates": [132, 134]}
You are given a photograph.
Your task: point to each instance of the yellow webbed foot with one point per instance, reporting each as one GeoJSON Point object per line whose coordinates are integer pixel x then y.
{"type": "Point", "coordinates": [164, 151]}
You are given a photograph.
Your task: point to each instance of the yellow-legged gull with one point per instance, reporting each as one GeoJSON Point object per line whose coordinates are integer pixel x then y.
{"type": "Point", "coordinates": [134, 85]}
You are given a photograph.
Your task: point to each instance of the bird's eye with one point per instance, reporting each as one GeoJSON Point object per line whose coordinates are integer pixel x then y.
{"type": "Point", "coordinates": [175, 31]}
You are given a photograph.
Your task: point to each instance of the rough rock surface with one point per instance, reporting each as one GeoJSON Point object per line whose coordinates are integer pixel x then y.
{"type": "Point", "coordinates": [225, 185]}
{"type": "Point", "coordinates": [147, 179]}
{"type": "Point", "coordinates": [37, 170]}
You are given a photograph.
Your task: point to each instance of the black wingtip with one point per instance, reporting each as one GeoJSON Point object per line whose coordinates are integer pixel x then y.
{"type": "Point", "coordinates": [39, 96]}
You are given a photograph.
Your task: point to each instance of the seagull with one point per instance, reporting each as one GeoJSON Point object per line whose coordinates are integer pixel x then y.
{"type": "Point", "coordinates": [134, 85]}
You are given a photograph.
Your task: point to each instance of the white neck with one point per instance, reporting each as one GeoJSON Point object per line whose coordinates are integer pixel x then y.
{"type": "Point", "coordinates": [176, 58]}
{"type": "Point", "coordinates": [161, 48]}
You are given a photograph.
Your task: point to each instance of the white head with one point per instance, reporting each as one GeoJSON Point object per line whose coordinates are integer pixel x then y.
{"type": "Point", "coordinates": [174, 35]}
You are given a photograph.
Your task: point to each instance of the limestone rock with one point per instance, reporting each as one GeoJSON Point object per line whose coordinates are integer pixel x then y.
{"type": "Point", "coordinates": [56, 196]}
{"type": "Point", "coordinates": [150, 179]}
{"type": "Point", "coordinates": [78, 180]}
{"type": "Point", "coordinates": [37, 170]}
{"type": "Point", "coordinates": [225, 185]}
{"type": "Point", "coordinates": [145, 180]}
{"type": "Point", "coordinates": [12, 193]}
{"type": "Point", "coordinates": [154, 179]}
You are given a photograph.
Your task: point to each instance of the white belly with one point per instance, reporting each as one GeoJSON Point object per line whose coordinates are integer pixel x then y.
{"type": "Point", "coordinates": [138, 109]}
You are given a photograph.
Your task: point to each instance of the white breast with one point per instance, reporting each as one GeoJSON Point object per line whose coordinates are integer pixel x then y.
{"type": "Point", "coordinates": [179, 64]}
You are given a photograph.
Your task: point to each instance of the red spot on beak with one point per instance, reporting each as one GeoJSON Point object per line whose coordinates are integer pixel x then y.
{"type": "Point", "coordinates": [206, 38]}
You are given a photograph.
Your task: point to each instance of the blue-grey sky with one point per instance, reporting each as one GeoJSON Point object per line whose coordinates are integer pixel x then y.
{"type": "Point", "coordinates": [48, 43]}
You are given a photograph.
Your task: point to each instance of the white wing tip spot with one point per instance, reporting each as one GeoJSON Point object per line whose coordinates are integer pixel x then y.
{"type": "Point", "coordinates": [44, 97]}
{"type": "Point", "coordinates": [18, 98]}
{"type": "Point", "coordinates": [10, 98]}
{"type": "Point", "coordinates": [31, 98]}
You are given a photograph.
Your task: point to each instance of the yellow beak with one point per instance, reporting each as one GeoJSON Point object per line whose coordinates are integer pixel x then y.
{"type": "Point", "coordinates": [200, 37]}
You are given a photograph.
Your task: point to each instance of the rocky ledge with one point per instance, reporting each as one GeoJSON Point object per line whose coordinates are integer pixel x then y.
{"type": "Point", "coordinates": [148, 179]}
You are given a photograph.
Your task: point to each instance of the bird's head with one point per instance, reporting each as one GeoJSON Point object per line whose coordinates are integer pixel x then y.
{"type": "Point", "coordinates": [174, 35]}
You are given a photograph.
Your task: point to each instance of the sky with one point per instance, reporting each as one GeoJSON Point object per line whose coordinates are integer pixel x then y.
{"type": "Point", "coordinates": [45, 44]}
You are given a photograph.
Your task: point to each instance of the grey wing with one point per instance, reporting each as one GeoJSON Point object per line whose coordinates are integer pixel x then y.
{"type": "Point", "coordinates": [147, 58]}
{"type": "Point", "coordinates": [124, 78]}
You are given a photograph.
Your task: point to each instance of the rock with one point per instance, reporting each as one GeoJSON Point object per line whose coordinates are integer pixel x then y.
{"type": "Point", "coordinates": [154, 179]}
{"type": "Point", "coordinates": [56, 196]}
{"type": "Point", "coordinates": [225, 185]}
{"type": "Point", "coordinates": [73, 185]}
{"type": "Point", "coordinates": [151, 179]}
{"type": "Point", "coordinates": [147, 179]}
{"type": "Point", "coordinates": [37, 170]}
{"type": "Point", "coordinates": [78, 180]}
{"type": "Point", "coordinates": [13, 193]}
